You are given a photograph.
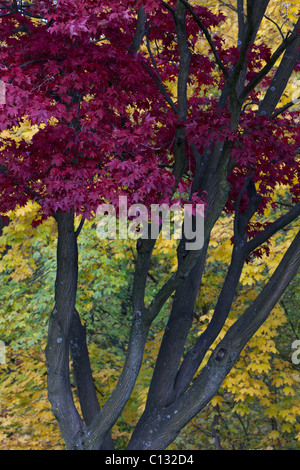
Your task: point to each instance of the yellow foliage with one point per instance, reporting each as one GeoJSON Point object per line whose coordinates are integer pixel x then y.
{"type": "Point", "coordinates": [24, 131]}
{"type": "Point", "coordinates": [26, 420]}
{"type": "Point", "coordinates": [217, 400]}
{"type": "Point", "coordinates": [19, 235]}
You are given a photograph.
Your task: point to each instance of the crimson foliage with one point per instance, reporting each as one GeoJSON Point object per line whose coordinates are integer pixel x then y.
{"type": "Point", "coordinates": [115, 127]}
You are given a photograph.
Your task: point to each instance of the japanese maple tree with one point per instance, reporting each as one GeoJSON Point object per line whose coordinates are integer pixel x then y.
{"type": "Point", "coordinates": [98, 79]}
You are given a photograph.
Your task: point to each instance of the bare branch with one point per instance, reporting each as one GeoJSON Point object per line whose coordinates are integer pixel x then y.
{"type": "Point", "coordinates": [264, 236]}
{"type": "Point", "coordinates": [139, 31]}
{"type": "Point", "coordinates": [246, 41]}
{"type": "Point", "coordinates": [158, 79]}
{"type": "Point", "coordinates": [113, 407]}
{"type": "Point", "coordinates": [206, 384]}
{"type": "Point", "coordinates": [160, 86]}
{"type": "Point", "coordinates": [78, 230]}
{"type": "Point", "coordinates": [227, 351]}
{"type": "Point", "coordinates": [171, 9]}
{"type": "Point", "coordinates": [241, 20]}
{"type": "Point", "coordinates": [285, 107]}
{"type": "Point", "coordinates": [180, 160]}
{"type": "Point", "coordinates": [161, 391]}
{"type": "Point", "coordinates": [144, 253]}
{"type": "Point", "coordinates": [276, 24]}
{"type": "Point", "coordinates": [288, 41]}
{"type": "Point", "coordinates": [208, 37]}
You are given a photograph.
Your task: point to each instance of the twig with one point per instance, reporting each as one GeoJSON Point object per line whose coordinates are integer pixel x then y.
{"type": "Point", "coordinates": [79, 227]}
{"type": "Point", "coordinates": [208, 37]}
{"type": "Point", "coordinates": [266, 69]}
{"type": "Point", "coordinates": [157, 79]}
{"type": "Point", "coordinates": [277, 25]}
{"type": "Point", "coordinates": [285, 107]}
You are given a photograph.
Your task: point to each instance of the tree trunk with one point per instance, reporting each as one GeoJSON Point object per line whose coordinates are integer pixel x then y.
{"type": "Point", "coordinates": [57, 351]}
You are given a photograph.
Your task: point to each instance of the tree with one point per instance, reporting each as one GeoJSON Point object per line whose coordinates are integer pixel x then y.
{"type": "Point", "coordinates": [257, 406]}
{"type": "Point", "coordinates": [96, 81]}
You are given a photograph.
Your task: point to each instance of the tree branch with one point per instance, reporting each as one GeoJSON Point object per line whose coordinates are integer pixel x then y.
{"type": "Point", "coordinates": [241, 221]}
{"type": "Point", "coordinates": [83, 375]}
{"type": "Point", "coordinates": [288, 41]}
{"type": "Point", "coordinates": [276, 24]}
{"type": "Point", "coordinates": [168, 7]}
{"type": "Point", "coordinates": [113, 407]}
{"type": "Point", "coordinates": [144, 250]}
{"type": "Point", "coordinates": [180, 160]}
{"type": "Point", "coordinates": [264, 236]}
{"type": "Point", "coordinates": [82, 370]}
{"type": "Point", "coordinates": [240, 252]}
{"type": "Point", "coordinates": [208, 38]}
{"type": "Point", "coordinates": [174, 417]}
{"type": "Point", "coordinates": [79, 228]}
{"type": "Point", "coordinates": [196, 354]}
{"type": "Point", "coordinates": [281, 110]}
{"type": "Point", "coordinates": [140, 31]}
{"type": "Point", "coordinates": [161, 391]}
{"type": "Point", "coordinates": [161, 87]}
{"type": "Point", "coordinates": [246, 41]}
{"type": "Point", "coordinates": [157, 79]}
{"type": "Point", "coordinates": [241, 20]}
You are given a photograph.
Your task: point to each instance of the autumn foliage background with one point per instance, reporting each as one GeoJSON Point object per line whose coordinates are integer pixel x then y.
{"type": "Point", "coordinates": [258, 405]}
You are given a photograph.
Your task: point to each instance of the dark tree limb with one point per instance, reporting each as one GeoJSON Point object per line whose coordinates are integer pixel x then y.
{"type": "Point", "coordinates": [281, 110]}
{"type": "Point", "coordinates": [140, 31]}
{"type": "Point", "coordinates": [79, 228]}
{"type": "Point", "coordinates": [144, 253]}
{"type": "Point", "coordinates": [57, 350]}
{"type": "Point", "coordinates": [108, 415]}
{"type": "Point", "coordinates": [246, 40]}
{"type": "Point", "coordinates": [86, 389]}
{"type": "Point", "coordinates": [196, 354]}
{"type": "Point", "coordinates": [241, 20]}
{"type": "Point", "coordinates": [157, 78]}
{"type": "Point", "coordinates": [241, 251]}
{"type": "Point", "coordinates": [290, 46]}
{"type": "Point", "coordinates": [276, 24]}
{"type": "Point", "coordinates": [248, 26]}
{"type": "Point", "coordinates": [263, 236]}
{"type": "Point", "coordinates": [208, 38]}
{"type": "Point", "coordinates": [161, 391]}
{"type": "Point", "coordinates": [82, 370]}
{"type": "Point", "coordinates": [180, 160]}
{"type": "Point", "coordinates": [168, 421]}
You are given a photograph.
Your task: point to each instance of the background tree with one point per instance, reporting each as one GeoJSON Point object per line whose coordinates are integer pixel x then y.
{"type": "Point", "coordinates": [106, 129]}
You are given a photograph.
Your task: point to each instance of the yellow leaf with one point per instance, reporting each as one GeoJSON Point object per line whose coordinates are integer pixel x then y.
{"type": "Point", "coordinates": [274, 435]}
{"type": "Point", "coordinates": [217, 400]}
